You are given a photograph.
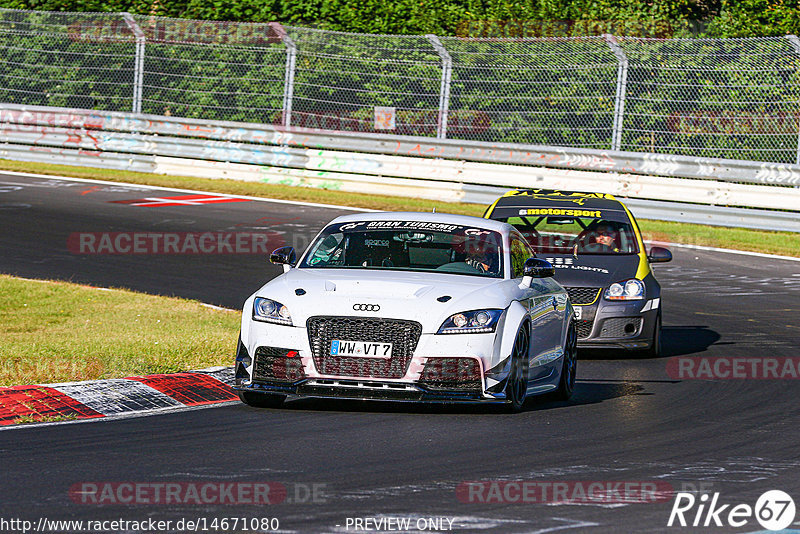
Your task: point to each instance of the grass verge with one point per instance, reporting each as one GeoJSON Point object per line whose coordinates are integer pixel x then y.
{"type": "Point", "coordinates": [28, 419]}
{"type": "Point", "coordinates": [58, 331]}
{"type": "Point", "coordinates": [783, 243]}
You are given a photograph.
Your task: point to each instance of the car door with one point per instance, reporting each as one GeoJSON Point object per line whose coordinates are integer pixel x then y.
{"type": "Point", "coordinates": [540, 300]}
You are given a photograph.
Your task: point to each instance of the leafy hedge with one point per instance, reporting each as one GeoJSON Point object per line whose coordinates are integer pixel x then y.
{"type": "Point", "coordinates": [714, 18]}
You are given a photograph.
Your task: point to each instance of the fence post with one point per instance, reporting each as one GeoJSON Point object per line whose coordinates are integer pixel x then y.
{"type": "Point", "coordinates": [288, 78]}
{"type": "Point", "coordinates": [795, 42]}
{"type": "Point", "coordinates": [622, 87]}
{"type": "Point", "coordinates": [444, 89]}
{"type": "Point", "coordinates": [138, 68]}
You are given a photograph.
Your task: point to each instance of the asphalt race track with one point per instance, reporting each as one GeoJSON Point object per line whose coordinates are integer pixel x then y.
{"type": "Point", "coordinates": [628, 421]}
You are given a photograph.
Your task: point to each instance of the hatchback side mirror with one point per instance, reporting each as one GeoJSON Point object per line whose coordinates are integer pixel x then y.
{"type": "Point", "coordinates": [283, 256]}
{"type": "Point", "coordinates": [536, 268]}
{"type": "Point", "coordinates": [659, 255]}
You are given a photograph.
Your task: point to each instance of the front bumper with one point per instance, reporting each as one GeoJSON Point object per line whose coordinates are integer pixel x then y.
{"type": "Point", "coordinates": [372, 390]}
{"type": "Point", "coordinates": [628, 325]}
{"type": "Point", "coordinates": [442, 368]}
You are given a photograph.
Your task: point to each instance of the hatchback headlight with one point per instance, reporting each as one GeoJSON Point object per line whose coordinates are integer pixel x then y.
{"type": "Point", "coordinates": [269, 311]}
{"type": "Point", "coordinates": [471, 322]}
{"type": "Point", "coordinates": [632, 289]}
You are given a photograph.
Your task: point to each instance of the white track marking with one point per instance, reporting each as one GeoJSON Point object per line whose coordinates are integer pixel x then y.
{"type": "Point", "coordinates": [220, 308]}
{"type": "Point", "coordinates": [115, 396]}
{"type": "Point", "coordinates": [212, 306]}
{"type": "Point", "coordinates": [571, 523]}
{"type": "Point", "coordinates": [192, 191]}
{"type": "Point", "coordinates": [349, 208]}
{"type": "Point", "coordinates": [725, 250]}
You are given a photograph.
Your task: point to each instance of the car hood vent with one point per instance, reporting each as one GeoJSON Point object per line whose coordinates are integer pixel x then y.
{"type": "Point", "coordinates": [371, 288]}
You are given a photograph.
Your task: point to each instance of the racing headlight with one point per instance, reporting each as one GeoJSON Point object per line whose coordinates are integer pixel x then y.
{"type": "Point", "coordinates": [471, 322]}
{"type": "Point", "coordinates": [632, 289]}
{"type": "Point", "coordinates": [269, 311]}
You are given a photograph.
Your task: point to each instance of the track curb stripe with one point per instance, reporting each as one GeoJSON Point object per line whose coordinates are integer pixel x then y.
{"type": "Point", "coordinates": [190, 389]}
{"type": "Point", "coordinates": [40, 403]}
{"type": "Point", "coordinates": [113, 397]}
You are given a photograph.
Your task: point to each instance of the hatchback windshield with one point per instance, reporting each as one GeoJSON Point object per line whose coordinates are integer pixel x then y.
{"type": "Point", "coordinates": [408, 246]}
{"type": "Point", "coordinates": [577, 235]}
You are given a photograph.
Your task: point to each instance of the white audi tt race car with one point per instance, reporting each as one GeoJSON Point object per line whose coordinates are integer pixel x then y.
{"type": "Point", "coordinates": [409, 307]}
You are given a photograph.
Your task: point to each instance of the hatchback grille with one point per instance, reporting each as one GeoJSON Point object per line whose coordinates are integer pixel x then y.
{"type": "Point", "coordinates": [581, 296]}
{"type": "Point", "coordinates": [403, 335]}
{"type": "Point", "coordinates": [584, 328]}
{"type": "Point", "coordinates": [617, 327]}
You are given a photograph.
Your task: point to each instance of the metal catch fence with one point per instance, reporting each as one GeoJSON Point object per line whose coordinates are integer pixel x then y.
{"type": "Point", "coordinates": [719, 98]}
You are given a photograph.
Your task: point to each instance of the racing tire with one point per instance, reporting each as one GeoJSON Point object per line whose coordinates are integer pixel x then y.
{"type": "Point", "coordinates": [261, 400]}
{"type": "Point", "coordinates": [655, 347]}
{"type": "Point", "coordinates": [569, 368]}
{"type": "Point", "coordinates": [517, 385]}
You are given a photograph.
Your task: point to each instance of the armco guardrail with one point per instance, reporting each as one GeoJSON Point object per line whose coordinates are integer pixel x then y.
{"type": "Point", "coordinates": [266, 134]}
{"type": "Point", "coordinates": [451, 170]}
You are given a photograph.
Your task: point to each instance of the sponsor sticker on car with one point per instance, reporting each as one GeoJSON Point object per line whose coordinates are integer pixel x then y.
{"type": "Point", "coordinates": [595, 214]}
{"type": "Point", "coordinates": [578, 312]}
{"type": "Point", "coordinates": [361, 349]}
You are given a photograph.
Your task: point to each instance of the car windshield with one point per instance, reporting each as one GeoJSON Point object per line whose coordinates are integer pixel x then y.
{"type": "Point", "coordinates": [577, 235]}
{"type": "Point", "coordinates": [408, 246]}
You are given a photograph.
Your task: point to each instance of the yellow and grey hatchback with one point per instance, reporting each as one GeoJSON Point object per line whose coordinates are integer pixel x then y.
{"type": "Point", "coordinates": [595, 245]}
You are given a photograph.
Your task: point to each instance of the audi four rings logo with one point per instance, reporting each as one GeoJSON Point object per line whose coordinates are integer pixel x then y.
{"type": "Point", "coordinates": [366, 307]}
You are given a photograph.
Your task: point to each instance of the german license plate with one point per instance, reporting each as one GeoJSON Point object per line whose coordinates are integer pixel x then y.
{"type": "Point", "coordinates": [361, 349]}
{"type": "Point", "coordinates": [578, 312]}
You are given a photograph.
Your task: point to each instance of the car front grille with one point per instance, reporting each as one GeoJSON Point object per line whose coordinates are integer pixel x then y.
{"type": "Point", "coordinates": [584, 328]}
{"type": "Point", "coordinates": [460, 374]}
{"type": "Point", "coordinates": [403, 335]}
{"type": "Point", "coordinates": [618, 327]}
{"type": "Point", "coordinates": [273, 365]}
{"type": "Point", "coordinates": [581, 296]}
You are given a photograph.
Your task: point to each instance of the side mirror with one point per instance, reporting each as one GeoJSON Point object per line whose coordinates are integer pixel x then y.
{"type": "Point", "coordinates": [535, 268]}
{"type": "Point", "coordinates": [538, 268]}
{"type": "Point", "coordinates": [283, 256]}
{"type": "Point", "coordinates": [659, 255]}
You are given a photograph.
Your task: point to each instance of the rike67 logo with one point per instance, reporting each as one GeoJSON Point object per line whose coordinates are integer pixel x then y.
{"type": "Point", "coordinates": [774, 510]}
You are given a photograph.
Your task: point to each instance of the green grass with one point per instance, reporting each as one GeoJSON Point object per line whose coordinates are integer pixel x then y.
{"type": "Point", "coordinates": [38, 418]}
{"type": "Point", "coordinates": [784, 243]}
{"type": "Point", "coordinates": [59, 331]}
